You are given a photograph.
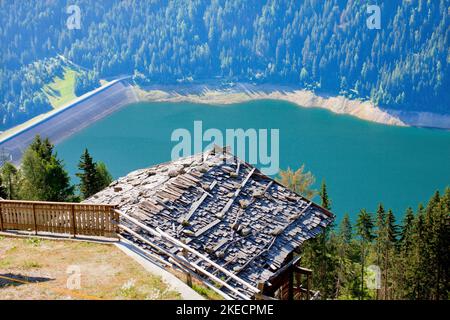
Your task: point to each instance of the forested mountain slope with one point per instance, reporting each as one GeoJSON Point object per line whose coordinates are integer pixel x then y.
{"type": "Point", "coordinates": [323, 45]}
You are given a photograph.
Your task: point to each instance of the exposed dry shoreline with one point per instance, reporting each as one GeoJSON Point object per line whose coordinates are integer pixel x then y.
{"type": "Point", "coordinates": [243, 92]}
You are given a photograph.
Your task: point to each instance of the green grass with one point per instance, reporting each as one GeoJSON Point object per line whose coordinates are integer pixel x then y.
{"type": "Point", "coordinates": [62, 90]}
{"type": "Point", "coordinates": [31, 265]}
{"type": "Point", "coordinates": [35, 242]}
{"type": "Point", "coordinates": [206, 292]}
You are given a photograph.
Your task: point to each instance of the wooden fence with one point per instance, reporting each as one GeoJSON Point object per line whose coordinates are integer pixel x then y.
{"type": "Point", "coordinates": [59, 218]}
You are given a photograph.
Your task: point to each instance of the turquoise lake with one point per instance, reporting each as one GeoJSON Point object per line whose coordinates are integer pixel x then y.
{"type": "Point", "coordinates": [363, 163]}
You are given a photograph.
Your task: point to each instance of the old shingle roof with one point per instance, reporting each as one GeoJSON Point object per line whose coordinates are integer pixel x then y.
{"type": "Point", "coordinates": [222, 207]}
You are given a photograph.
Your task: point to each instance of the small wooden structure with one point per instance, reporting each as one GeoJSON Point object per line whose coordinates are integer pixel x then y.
{"type": "Point", "coordinates": [59, 218]}
{"type": "Point", "coordinates": [287, 283]}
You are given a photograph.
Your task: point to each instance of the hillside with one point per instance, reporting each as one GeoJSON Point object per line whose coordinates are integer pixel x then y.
{"type": "Point", "coordinates": [325, 46]}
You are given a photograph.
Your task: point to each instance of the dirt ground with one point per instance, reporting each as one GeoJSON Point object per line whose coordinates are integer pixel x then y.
{"type": "Point", "coordinates": [32, 269]}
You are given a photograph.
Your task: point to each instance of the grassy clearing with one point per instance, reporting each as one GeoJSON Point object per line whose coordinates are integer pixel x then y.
{"type": "Point", "coordinates": [62, 89]}
{"type": "Point", "coordinates": [105, 272]}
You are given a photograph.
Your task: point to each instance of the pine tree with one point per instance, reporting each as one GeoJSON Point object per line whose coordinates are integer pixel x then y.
{"type": "Point", "coordinates": [320, 255]}
{"type": "Point", "coordinates": [380, 236]}
{"type": "Point", "coordinates": [43, 174]}
{"type": "Point", "coordinates": [431, 246]}
{"type": "Point", "coordinates": [103, 175]}
{"type": "Point", "coordinates": [391, 227]}
{"type": "Point", "coordinates": [345, 229]}
{"type": "Point", "coordinates": [325, 201]}
{"type": "Point", "coordinates": [439, 245]}
{"type": "Point", "coordinates": [407, 229]}
{"type": "Point", "coordinates": [94, 177]}
{"type": "Point", "coordinates": [10, 179]}
{"type": "Point", "coordinates": [419, 265]}
{"type": "Point", "coordinates": [390, 241]}
{"type": "Point", "coordinates": [344, 271]}
{"type": "Point", "coordinates": [42, 147]}
{"type": "Point", "coordinates": [3, 193]}
{"type": "Point", "coordinates": [406, 259]}
{"type": "Point", "coordinates": [364, 225]}
{"type": "Point", "coordinates": [89, 184]}
{"type": "Point", "coordinates": [443, 246]}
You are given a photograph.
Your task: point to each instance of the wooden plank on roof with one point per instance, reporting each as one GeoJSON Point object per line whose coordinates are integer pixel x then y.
{"type": "Point", "coordinates": [198, 203]}
{"type": "Point", "coordinates": [206, 228]}
{"type": "Point", "coordinates": [230, 202]}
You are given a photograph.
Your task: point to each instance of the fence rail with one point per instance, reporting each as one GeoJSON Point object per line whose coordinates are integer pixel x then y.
{"type": "Point", "coordinates": [59, 217]}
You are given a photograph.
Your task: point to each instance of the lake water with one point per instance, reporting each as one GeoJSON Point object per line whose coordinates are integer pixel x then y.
{"type": "Point", "coordinates": [363, 163]}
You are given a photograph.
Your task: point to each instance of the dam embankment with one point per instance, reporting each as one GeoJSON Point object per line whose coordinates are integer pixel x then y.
{"type": "Point", "coordinates": [70, 119]}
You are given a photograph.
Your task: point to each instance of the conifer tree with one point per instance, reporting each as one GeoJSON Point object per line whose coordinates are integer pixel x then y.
{"type": "Point", "coordinates": [43, 175]}
{"type": "Point", "coordinates": [345, 230]}
{"type": "Point", "coordinates": [344, 272]}
{"type": "Point", "coordinates": [320, 255]}
{"type": "Point", "coordinates": [89, 184]}
{"type": "Point", "coordinates": [380, 236]}
{"type": "Point", "coordinates": [364, 225]}
{"type": "Point", "coordinates": [94, 177]}
{"type": "Point", "coordinates": [10, 180]}
{"type": "Point", "coordinates": [407, 230]}
{"type": "Point", "coordinates": [406, 257]}
{"type": "Point", "coordinates": [325, 201]}
{"type": "Point", "coordinates": [391, 227]}
{"type": "Point", "coordinates": [419, 265]}
{"type": "Point", "coordinates": [390, 241]}
{"type": "Point", "coordinates": [103, 175]}
{"type": "Point", "coordinates": [3, 194]}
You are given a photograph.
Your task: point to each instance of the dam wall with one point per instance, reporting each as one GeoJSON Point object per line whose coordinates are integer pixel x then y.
{"type": "Point", "coordinates": [73, 118]}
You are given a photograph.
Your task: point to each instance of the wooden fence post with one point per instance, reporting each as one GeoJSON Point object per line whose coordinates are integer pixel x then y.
{"type": "Point", "coordinates": [116, 219]}
{"type": "Point", "coordinates": [34, 219]}
{"type": "Point", "coordinates": [188, 275]}
{"type": "Point", "coordinates": [74, 227]}
{"type": "Point", "coordinates": [1, 216]}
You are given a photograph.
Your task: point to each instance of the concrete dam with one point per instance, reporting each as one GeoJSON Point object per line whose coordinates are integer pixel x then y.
{"type": "Point", "coordinates": [73, 118]}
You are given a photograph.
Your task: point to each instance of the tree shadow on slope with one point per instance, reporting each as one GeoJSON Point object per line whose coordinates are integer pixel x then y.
{"type": "Point", "coordinates": [10, 279]}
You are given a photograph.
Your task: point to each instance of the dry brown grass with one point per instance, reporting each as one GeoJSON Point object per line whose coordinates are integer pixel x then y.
{"type": "Point", "coordinates": [106, 272]}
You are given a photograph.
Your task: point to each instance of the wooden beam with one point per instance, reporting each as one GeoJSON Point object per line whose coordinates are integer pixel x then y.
{"type": "Point", "coordinates": [207, 227]}
{"type": "Point", "coordinates": [302, 270]}
{"type": "Point", "coordinates": [236, 194]}
{"type": "Point", "coordinates": [197, 204]}
{"type": "Point", "coordinates": [188, 275]}
{"type": "Point", "coordinates": [205, 258]}
{"type": "Point", "coordinates": [185, 262]}
{"type": "Point", "coordinates": [160, 233]}
{"type": "Point", "coordinates": [220, 281]}
{"type": "Point", "coordinates": [151, 255]}
{"type": "Point", "coordinates": [205, 282]}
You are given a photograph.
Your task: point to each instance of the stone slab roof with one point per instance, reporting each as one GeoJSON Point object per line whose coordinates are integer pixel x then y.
{"type": "Point", "coordinates": [221, 207]}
